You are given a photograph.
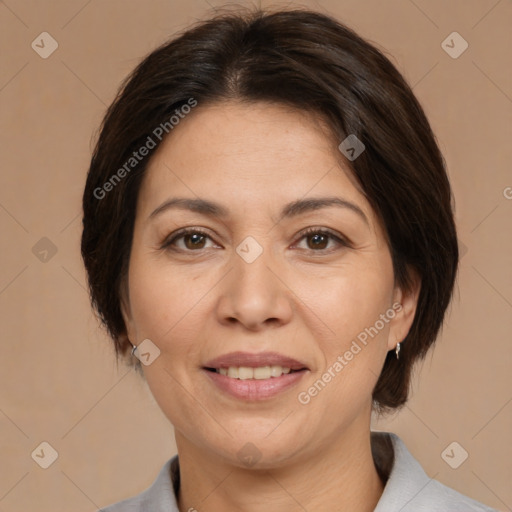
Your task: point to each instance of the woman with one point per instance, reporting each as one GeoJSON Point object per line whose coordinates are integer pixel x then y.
{"type": "Point", "coordinates": [268, 230]}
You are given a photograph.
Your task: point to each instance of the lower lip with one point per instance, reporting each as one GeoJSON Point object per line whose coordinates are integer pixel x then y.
{"type": "Point", "coordinates": [255, 389]}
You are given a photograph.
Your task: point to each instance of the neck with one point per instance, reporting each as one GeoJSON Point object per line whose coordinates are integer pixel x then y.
{"type": "Point", "coordinates": [339, 476]}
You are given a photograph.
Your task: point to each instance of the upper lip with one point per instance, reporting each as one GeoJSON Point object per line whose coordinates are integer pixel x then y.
{"type": "Point", "coordinates": [255, 360]}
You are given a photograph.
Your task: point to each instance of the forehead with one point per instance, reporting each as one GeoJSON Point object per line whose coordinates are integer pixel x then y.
{"type": "Point", "coordinates": [248, 156]}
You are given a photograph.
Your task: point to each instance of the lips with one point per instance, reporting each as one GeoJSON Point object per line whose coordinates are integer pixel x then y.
{"type": "Point", "coordinates": [254, 377]}
{"type": "Point", "coordinates": [246, 359]}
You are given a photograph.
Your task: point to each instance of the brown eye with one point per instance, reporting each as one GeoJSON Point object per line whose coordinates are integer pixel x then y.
{"type": "Point", "coordinates": [187, 240]}
{"type": "Point", "coordinates": [195, 240]}
{"type": "Point", "coordinates": [318, 240]}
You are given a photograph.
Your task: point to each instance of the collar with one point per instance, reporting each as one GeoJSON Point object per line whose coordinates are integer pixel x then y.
{"type": "Point", "coordinates": [407, 489]}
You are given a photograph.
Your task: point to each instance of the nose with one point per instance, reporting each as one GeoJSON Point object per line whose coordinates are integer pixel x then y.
{"type": "Point", "coordinates": [254, 296]}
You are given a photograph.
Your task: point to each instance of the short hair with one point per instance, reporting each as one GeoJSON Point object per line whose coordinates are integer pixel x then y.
{"type": "Point", "coordinates": [310, 62]}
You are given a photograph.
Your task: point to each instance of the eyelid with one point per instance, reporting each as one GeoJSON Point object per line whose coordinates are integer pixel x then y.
{"type": "Point", "coordinates": [338, 237]}
{"type": "Point", "coordinates": [334, 235]}
{"type": "Point", "coordinates": [183, 232]}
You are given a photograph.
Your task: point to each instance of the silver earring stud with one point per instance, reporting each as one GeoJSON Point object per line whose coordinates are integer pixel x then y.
{"type": "Point", "coordinates": [134, 349]}
{"type": "Point", "coordinates": [397, 350]}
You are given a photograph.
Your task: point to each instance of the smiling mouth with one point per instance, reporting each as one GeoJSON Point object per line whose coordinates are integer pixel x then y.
{"type": "Point", "coordinates": [258, 373]}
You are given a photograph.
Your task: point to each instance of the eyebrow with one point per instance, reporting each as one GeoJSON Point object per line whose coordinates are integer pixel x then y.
{"type": "Point", "coordinates": [293, 209]}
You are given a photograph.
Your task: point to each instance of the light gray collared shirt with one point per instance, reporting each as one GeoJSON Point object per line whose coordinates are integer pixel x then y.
{"type": "Point", "coordinates": [408, 488]}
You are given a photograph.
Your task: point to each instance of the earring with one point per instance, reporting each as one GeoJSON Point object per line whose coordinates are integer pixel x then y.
{"type": "Point", "coordinates": [397, 350]}
{"type": "Point", "coordinates": [134, 349]}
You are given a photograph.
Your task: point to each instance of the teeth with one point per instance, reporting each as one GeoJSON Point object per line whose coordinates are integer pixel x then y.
{"type": "Point", "coordinates": [260, 373]}
{"type": "Point", "coordinates": [264, 372]}
{"type": "Point", "coordinates": [245, 373]}
{"type": "Point", "coordinates": [275, 371]}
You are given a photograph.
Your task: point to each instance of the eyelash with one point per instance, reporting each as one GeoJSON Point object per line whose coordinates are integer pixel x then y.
{"type": "Point", "coordinates": [167, 245]}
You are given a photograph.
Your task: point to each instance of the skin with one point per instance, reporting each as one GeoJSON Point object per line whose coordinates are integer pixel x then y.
{"type": "Point", "coordinates": [302, 297]}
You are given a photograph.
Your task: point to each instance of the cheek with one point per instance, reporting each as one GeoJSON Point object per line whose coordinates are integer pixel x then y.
{"type": "Point", "coordinates": [168, 308]}
{"type": "Point", "coordinates": [355, 309]}
{"type": "Point", "coordinates": [350, 300]}
{"type": "Point", "coordinates": [168, 304]}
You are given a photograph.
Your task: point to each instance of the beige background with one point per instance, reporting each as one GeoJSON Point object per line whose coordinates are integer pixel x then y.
{"type": "Point", "coordinates": [59, 380]}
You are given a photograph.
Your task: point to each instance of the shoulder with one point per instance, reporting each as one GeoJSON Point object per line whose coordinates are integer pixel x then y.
{"type": "Point", "coordinates": [436, 493]}
{"type": "Point", "coordinates": [410, 489]}
{"type": "Point", "coordinates": [159, 497]}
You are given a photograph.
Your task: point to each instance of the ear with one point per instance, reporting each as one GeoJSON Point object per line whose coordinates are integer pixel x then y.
{"type": "Point", "coordinates": [405, 303]}
{"type": "Point", "coordinates": [127, 312]}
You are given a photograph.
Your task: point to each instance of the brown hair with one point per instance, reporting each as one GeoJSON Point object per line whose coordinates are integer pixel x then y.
{"type": "Point", "coordinates": [308, 61]}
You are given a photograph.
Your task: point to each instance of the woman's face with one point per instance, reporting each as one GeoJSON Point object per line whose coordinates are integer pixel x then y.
{"type": "Point", "coordinates": [267, 275]}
